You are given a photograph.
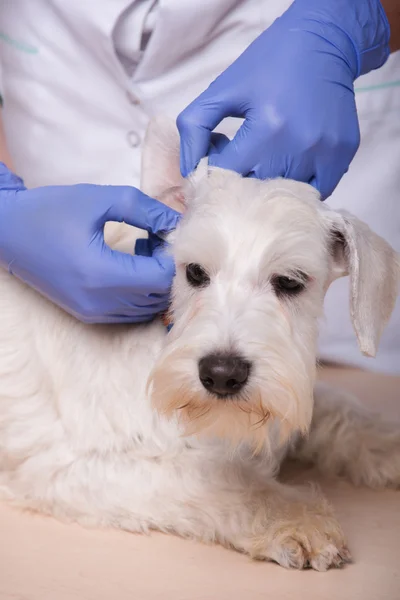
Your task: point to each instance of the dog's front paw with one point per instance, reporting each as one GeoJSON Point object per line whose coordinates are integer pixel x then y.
{"type": "Point", "coordinates": [315, 542]}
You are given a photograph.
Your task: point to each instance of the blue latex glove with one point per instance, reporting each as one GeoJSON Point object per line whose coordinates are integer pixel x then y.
{"type": "Point", "coordinates": [52, 238]}
{"type": "Point", "coordinates": [294, 88]}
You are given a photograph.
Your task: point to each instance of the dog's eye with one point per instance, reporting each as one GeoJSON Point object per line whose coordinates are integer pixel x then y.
{"type": "Point", "coordinates": [196, 275]}
{"type": "Point", "coordinates": [289, 286]}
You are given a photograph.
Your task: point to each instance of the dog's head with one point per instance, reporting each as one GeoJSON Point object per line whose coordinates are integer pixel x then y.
{"type": "Point", "coordinates": [253, 262]}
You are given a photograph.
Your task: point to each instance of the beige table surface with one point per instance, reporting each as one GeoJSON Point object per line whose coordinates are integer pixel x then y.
{"type": "Point", "coordinates": [41, 559]}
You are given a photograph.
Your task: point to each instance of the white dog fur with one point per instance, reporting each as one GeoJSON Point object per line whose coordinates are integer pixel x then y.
{"type": "Point", "coordinates": [111, 426]}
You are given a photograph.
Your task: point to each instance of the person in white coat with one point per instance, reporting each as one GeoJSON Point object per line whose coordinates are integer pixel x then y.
{"type": "Point", "coordinates": [80, 81]}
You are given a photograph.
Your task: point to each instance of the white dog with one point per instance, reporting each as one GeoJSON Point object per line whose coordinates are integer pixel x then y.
{"type": "Point", "coordinates": [129, 427]}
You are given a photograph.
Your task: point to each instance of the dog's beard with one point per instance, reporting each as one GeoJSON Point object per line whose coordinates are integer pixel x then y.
{"type": "Point", "coordinates": [270, 403]}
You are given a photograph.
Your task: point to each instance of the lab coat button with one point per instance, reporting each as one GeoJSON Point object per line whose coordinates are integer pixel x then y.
{"type": "Point", "coordinates": [132, 98]}
{"type": "Point", "coordinates": [133, 139]}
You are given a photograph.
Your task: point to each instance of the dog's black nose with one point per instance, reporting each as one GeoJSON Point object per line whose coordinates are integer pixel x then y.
{"type": "Point", "coordinates": [223, 375]}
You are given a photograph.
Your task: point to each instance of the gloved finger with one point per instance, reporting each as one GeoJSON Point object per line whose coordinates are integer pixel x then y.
{"type": "Point", "coordinates": [218, 142]}
{"type": "Point", "coordinates": [325, 184]}
{"type": "Point", "coordinates": [246, 149]}
{"type": "Point", "coordinates": [128, 204]}
{"type": "Point", "coordinates": [313, 182]}
{"type": "Point", "coordinates": [8, 179]}
{"type": "Point", "coordinates": [299, 168]}
{"type": "Point", "coordinates": [262, 170]}
{"type": "Point", "coordinates": [195, 125]}
{"type": "Point", "coordinates": [328, 175]}
{"type": "Point", "coordinates": [129, 314]}
{"type": "Point", "coordinates": [145, 275]}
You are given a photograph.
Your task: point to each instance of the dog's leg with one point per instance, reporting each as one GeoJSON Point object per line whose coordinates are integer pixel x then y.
{"type": "Point", "coordinates": [347, 439]}
{"type": "Point", "coordinates": [292, 526]}
{"type": "Point", "coordinates": [195, 494]}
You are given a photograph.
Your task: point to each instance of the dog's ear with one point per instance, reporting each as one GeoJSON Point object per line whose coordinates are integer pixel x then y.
{"type": "Point", "coordinates": [374, 270]}
{"type": "Point", "coordinates": [161, 177]}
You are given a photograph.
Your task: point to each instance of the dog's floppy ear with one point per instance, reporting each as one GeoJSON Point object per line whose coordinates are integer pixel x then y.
{"type": "Point", "coordinates": [161, 177]}
{"type": "Point", "coordinates": [374, 270]}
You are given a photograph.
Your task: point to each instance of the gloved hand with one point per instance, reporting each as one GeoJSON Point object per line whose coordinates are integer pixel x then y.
{"type": "Point", "coordinates": [294, 88]}
{"type": "Point", "coordinates": [52, 238]}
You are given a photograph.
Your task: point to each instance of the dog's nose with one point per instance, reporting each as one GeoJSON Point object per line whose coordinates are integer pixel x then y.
{"type": "Point", "coordinates": [223, 375]}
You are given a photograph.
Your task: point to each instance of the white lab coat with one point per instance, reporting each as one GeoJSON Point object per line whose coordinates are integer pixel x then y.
{"type": "Point", "coordinates": [75, 112]}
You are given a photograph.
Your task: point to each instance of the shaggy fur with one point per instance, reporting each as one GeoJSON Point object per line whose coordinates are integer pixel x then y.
{"type": "Point", "coordinates": [111, 426]}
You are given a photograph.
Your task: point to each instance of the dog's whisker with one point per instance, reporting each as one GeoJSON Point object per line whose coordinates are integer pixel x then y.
{"type": "Point", "coordinates": [245, 409]}
{"type": "Point", "coordinates": [200, 415]}
{"type": "Point", "coordinates": [265, 417]}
